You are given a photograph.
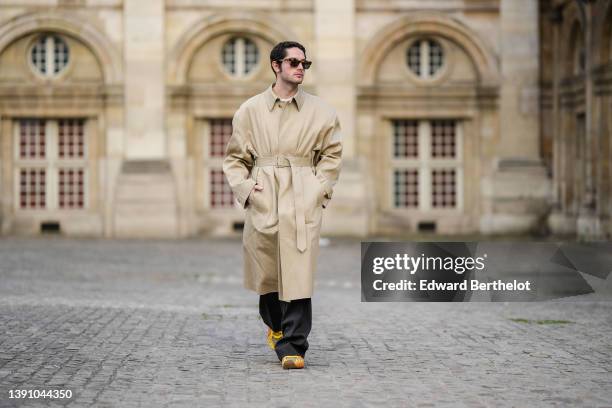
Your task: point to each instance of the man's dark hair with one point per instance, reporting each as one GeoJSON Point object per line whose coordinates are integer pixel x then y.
{"type": "Point", "coordinates": [279, 51]}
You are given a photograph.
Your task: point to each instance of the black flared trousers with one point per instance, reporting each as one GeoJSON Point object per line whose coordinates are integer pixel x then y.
{"type": "Point", "coordinates": [294, 318]}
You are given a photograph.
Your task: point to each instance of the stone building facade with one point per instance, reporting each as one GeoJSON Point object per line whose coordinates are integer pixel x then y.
{"type": "Point", "coordinates": [576, 113]}
{"type": "Point", "coordinates": [114, 114]}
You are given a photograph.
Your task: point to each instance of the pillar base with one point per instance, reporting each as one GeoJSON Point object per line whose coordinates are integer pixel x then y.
{"type": "Point", "coordinates": [145, 201]}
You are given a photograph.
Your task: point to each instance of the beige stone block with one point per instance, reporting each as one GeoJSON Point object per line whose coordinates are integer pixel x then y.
{"type": "Point", "coordinates": [145, 202]}
{"type": "Point", "coordinates": [113, 24]}
{"type": "Point", "coordinates": [562, 224]}
{"type": "Point", "coordinates": [177, 143]}
{"type": "Point", "coordinates": [115, 141]}
{"type": "Point", "coordinates": [83, 226]}
{"type": "Point", "coordinates": [506, 223]}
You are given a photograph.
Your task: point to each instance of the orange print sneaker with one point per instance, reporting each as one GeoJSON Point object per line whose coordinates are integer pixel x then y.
{"type": "Point", "coordinates": [293, 362]}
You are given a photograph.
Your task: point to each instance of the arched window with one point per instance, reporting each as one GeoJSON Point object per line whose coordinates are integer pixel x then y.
{"type": "Point", "coordinates": [240, 55]}
{"type": "Point", "coordinates": [425, 58]}
{"type": "Point", "coordinates": [49, 55]}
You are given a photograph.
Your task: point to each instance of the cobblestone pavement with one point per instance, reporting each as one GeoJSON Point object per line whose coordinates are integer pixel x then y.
{"type": "Point", "coordinates": [167, 323]}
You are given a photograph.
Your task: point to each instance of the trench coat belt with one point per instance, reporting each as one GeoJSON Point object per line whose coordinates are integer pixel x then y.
{"type": "Point", "coordinates": [298, 189]}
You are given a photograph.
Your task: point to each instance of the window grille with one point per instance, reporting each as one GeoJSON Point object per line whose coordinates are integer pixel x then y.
{"type": "Point", "coordinates": [425, 58]}
{"type": "Point", "coordinates": [406, 184]}
{"type": "Point", "coordinates": [240, 55]}
{"type": "Point", "coordinates": [426, 165]}
{"type": "Point", "coordinates": [51, 164]}
{"type": "Point", "coordinates": [32, 188]}
{"type": "Point", "coordinates": [443, 188]}
{"type": "Point", "coordinates": [50, 54]}
{"type": "Point", "coordinates": [216, 137]}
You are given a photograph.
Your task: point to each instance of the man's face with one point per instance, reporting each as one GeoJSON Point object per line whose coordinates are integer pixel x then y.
{"type": "Point", "coordinates": [288, 73]}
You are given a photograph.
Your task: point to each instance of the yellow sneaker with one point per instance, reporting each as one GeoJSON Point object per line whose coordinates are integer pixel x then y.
{"type": "Point", "coordinates": [274, 337]}
{"type": "Point", "coordinates": [293, 362]}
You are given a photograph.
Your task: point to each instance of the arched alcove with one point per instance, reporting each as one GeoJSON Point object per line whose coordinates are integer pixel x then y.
{"type": "Point", "coordinates": [427, 25]}
{"type": "Point", "coordinates": [210, 27]}
{"type": "Point", "coordinates": [54, 126]}
{"type": "Point", "coordinates": [81, 29]}
{"type": "Point", "coordinates": [575, 62]}
{"type": "Point", "coordinates": [421, 134]}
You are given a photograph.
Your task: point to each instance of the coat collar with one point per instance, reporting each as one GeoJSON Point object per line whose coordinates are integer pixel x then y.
{"type": "Point", "coordinates": [271, 98]}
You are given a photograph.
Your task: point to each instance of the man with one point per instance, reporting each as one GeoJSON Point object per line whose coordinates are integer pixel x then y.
{"type": "Point", "coordinates": [282, 162]}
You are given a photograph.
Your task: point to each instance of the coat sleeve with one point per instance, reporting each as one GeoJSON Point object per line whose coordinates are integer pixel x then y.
{"type": "Point", "coordinates": [238, 160]}
{"type": "Point", "coordinates": [330, 158]}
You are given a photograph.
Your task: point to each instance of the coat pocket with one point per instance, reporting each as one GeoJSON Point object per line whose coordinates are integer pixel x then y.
{"type": "Point", "coordinates": [313, 197]}
{"type": "Point", "coordinates": [261, 201]}
{"type": "Point", "coordinates": [252, 196]}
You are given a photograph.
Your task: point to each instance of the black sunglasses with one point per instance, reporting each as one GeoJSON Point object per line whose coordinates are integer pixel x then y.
{"type": "Point", "coordinates": [294, 62]}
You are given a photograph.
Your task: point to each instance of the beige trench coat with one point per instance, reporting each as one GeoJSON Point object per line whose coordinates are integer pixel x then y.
{"type": "Point", "coordinates": [293, 149]}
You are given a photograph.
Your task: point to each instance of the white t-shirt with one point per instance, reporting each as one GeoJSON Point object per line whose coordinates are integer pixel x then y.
{"type": "Point", "coordinates": [282, 100]}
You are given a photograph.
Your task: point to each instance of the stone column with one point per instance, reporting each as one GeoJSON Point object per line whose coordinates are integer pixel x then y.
{"type": "Point", "coordinates": [146, 205]}
{"type": "Point", "coordinates": [335, 59]}
{"type": "Point", "coordinates": [144, 78]}
{"type": "Point", "coordinates": [519, 104]}
{"type": "Point", "coordinates": [335, 62]}
{"type": "Point", "coordinates": [588, 223]}
{"type": "Point", "coordinates": [591, 138]}
{"type": "Point", "coordinates": [556, 18]}
{"type": "Point", "coordinates": [521, 198]}
{"type": "Point", "coordinates": [559, 220]}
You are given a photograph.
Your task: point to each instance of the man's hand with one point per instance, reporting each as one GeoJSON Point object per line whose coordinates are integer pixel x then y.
{"type": "Point", "coordinates": [257, 187]}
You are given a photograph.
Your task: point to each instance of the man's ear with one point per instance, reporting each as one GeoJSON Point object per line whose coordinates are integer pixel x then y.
{"type": "Point", "coordinates": [277, 66]}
